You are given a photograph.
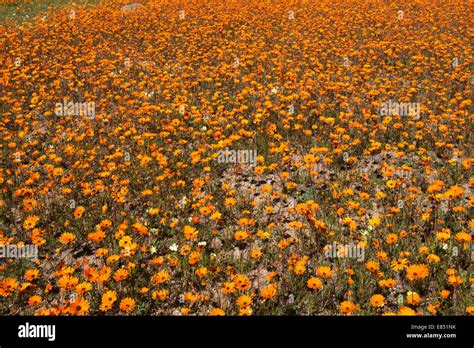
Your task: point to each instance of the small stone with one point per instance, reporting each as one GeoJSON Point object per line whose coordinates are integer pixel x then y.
{"type": "Point", "coordinates": [130, 7]}
{"type": "Point", "coordinates": [216, 243]}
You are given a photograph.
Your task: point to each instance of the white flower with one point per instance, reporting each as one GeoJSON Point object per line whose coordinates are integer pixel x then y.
{"type": "Point", "coordinates": [174, 247]}
{"type": "Point", "coordinates": [203, 244]}
{"type": "Point", "coordinates": [153, 250]}
{"type": "Point", "coordinates": [183, 201]}
{"type": "Point", "coordinates": [364, 234]}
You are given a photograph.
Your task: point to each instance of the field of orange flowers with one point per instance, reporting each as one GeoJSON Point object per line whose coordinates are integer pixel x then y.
{"type": "Point", "coordinates": [358, 114]}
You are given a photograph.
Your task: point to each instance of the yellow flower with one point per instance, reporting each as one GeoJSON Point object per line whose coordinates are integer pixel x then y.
{"type": "Point", "coordinates": [30, 222]}
{"type": "Point", "coordinates": [66, 238]}
{"type": "Point", "coordinates": [455, 280]}
{"type": "Point", "coordinates": [374, 222]}
{"type": "Point", "coordinates": [413, 298]}
{"type": "Point", "coordinates": [406, 311]}
{"type": "Point", "coordinates": [463, 237]}
{"type": "Point", "coordinates": [216, 312]}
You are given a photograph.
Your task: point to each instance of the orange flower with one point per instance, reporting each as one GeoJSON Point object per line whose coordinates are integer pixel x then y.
{"type": "Point", "coordinates": [463, 237]}
{"type": "Point", "coordinates": [194, 257]}
{"type": "Point", "coordinates": [160, 294]}
{"type": "Point", "coordinates": [190, 233]}
{"type": "Point", "coordinates": [228, 287]}
{"type": "Point", "coordinates": [216, 312]}
{"type": "Point", "coordinates": [201, 272]}
{"type": "Point", "coordinates": [372, 266]}
{"type": "Point", "coordinates": [300, 267]}
{"type": "Point", "coordinates": [391, 238]}
{"type": "Point", "coordinates": [31, 274]}
{"type": "Point", "coordinates": [82, 288]}
{"type": "Point", "coordinates": [79, 212]}
{"type": "Point", "coordinates": [229, 202]}
{"type": "Point", "coordinates": [269, 292]}
{"type": "Point", "coordinates": [416, 272]}
{"type": "Point", "coordinates": [399, 264]}
{"type": "Point", "coordinates": [413, 298]}
{"type": "Point", "coordinates": [377, 300]}
{"type": "Point", "coordinates": [314, 283]}
{"type": "Point", "coordinates": [444, 294]}
{"type": "Point", "coordinates": [34, 300]}
{"type": "Point", "coordinates": [109, 297]}
{"type": "Point", "coordinates": [256, 254]}
{"type": "Point", "coordinates": [241, 235]}
{"type": "Point", "coordinates": [347, 307]}
{"type": "Point", "coordinates": [241, 282]}
{"type": "Point", "coordinates": [160, 277]}
{"type": "Point", "coordinates": [140, 228]}
{"type": "Point", "coordinates": [66, 238]}
{"type": "Point", "coordinates": [80, 306]}
{"type": "Point", "coordinates": [324, 272]}
{"type": "Point", "coordinates": [127, 304]}
{"type": "Point", "coordinates": [244, 301]}
{"type": "Point", "coordinates": [120, 275]}
{"type": "Point", "coordinates": [30, 222]}
{"type": "Point", "coordinates": [406, 311]}
{"type": "Point", "coordinates": [455, 280]}
{"type": "Point", "coordinates": [387, 283]}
